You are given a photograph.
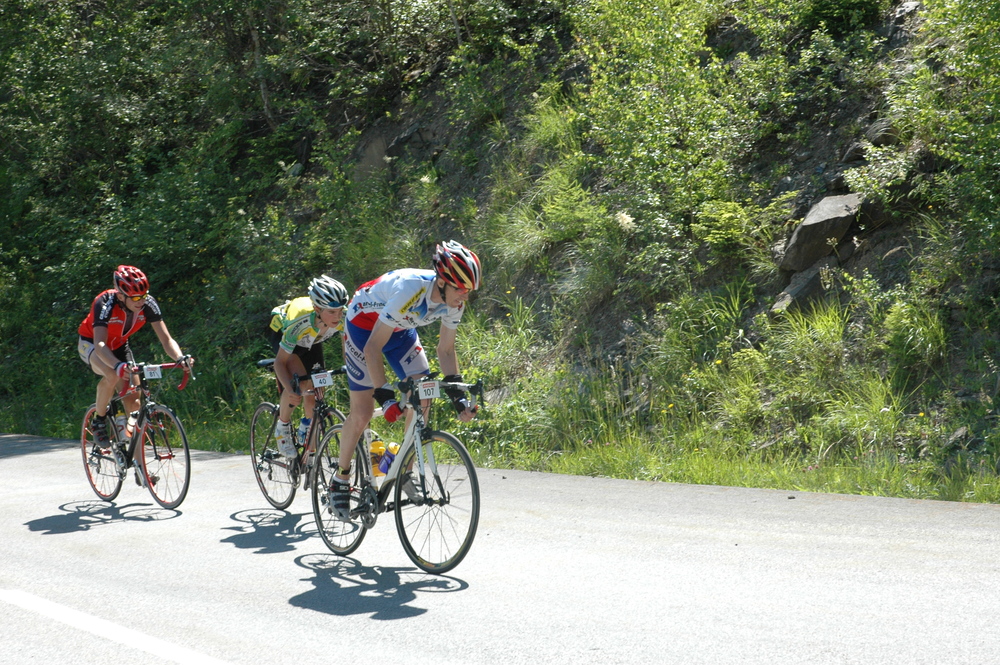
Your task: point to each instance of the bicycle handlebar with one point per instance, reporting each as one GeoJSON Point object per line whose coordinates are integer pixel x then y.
{"type": "Point", "coordinates": [475, 389]}
{"type": "Point", "coordinates": [183, 362]}
{"type": "Point", "coordinates": [296, 379]}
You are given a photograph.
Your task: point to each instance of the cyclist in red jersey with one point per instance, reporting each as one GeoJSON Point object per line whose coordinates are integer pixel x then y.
{"type": "Point", "coordinates": [114, 316]}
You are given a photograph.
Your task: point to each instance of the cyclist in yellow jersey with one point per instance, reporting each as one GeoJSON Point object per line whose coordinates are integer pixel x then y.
{"type": "Point", "coordinates": [297, 331]}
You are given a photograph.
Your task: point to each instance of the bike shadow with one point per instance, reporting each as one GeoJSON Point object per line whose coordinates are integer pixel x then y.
{"type": "Point", "coordinates": [85, 515]}
{"type": "Point", "coordinates": [267, 530]}
{"type": "Point", "coordinates": [344, 587]}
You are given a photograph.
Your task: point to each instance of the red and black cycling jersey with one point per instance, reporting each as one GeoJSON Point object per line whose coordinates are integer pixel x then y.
{"type": "Point", "coordinates": [107, 312]}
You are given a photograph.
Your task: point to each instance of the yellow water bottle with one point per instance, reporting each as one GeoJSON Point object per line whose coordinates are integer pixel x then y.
{"type": "Point", "coordinates": [377, 450]}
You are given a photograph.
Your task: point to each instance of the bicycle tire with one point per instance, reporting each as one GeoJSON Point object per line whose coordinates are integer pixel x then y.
{"type": "Point", "coordinates": [437, 533]}
{"type": "Point", "coordinates": [99, 464]}
{"type": "Point", "coordinates": [340, 537]}
{"type": "Point", "coordinates": [330, 418]}
{"type": "Point", "coordinates": [166, 457]}
{"type": "Point", "coordinates": [274, 477]}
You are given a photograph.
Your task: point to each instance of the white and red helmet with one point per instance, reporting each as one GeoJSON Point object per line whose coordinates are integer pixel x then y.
{"type": "Point", "coordinates": [457, 265]}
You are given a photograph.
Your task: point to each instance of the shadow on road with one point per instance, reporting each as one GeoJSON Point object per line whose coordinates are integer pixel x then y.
{"type": "Point", "coordinates": [268, 531]}
{"type": "Point", "coordinates": [343, 587]}
{"type": "Point", "coordinates": [86, 515]}
{"type": "Point", "coordinates": [12, 445]}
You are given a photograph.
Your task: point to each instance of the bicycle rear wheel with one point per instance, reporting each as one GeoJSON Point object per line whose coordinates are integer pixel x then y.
{"type": "Point", "coordinates": [99, 463]}
{"type": "Point", "coordinates": [166, 458]}
{"type": "Point", "coordinates": [272, 470]}
{"type": "Point", "coordinates": [341, 537]}
{"type": "Point", "coordinates": [437, 522]}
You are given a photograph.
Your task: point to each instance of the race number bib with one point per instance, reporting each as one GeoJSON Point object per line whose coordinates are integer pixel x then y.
{"type": "Point", "coordinates": [322, 380]}
{"type": "Point", "coordinates": [152, 372]}
{"type": "Point", "coordinates": [429, 390]}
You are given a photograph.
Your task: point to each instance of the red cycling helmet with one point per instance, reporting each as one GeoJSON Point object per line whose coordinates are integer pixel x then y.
{"type": "Point", "coordinates": [457, 265]}
{"type": "Point", "coordinates": [131, 281]}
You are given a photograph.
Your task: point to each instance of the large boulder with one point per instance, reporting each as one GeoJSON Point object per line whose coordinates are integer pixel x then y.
{"type": "Point", "coordinates": [820, 232]}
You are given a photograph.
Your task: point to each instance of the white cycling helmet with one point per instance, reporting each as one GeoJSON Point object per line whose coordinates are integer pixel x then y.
{"type": "Point", "coordinates": [327, 293]}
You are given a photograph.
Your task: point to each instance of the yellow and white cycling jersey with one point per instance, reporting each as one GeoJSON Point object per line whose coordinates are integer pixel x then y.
{"type": "Point", "coordinates": [296, 320]}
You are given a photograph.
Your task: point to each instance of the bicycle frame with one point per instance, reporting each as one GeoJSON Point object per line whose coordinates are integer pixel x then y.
{"type": "Point", "coordinates": [156, 450]}
{"type": "Point", "coordinates": [430, 487]}
{"type": "Point", "coordinates": [416, 430]}
{"type": "Point", "coordinates": [144, 372]}
{"type": "Point", "coordinates": [278, 476]}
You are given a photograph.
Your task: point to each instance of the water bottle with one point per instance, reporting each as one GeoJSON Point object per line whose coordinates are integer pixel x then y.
{"type": "Point", "coordinates": [377, 449]}
{"type": "Point", "coordinates": [388, 457]}
{"type": "Point", "coordinates": [303, 430]}
{"type": "Point", "coordinates": [130, 424]}
{"type": "Point", "coordinates": [120, 425]}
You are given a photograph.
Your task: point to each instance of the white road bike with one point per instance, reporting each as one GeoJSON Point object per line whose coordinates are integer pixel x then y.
{"type": "Point", "coordinates": [431, 486]}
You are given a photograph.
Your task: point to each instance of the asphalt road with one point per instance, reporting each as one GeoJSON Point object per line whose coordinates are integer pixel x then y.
{"type": "Point", "coordinates": [563, 570]}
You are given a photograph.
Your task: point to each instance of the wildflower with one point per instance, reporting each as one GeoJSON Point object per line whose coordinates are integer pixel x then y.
{"type": "Point", "coordinates": [625, 221]}
{"type": "Point", "coordinates": [921, 414]}
{"type": "Point", "coordinates": [670, 406]}
{"type": "Point", "coordinates": [718, 362]}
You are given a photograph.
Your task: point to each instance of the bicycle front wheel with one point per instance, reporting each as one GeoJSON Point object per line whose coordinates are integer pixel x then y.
{"type": "Point", "coordinates": [438, 517]}
{"type": "Point", "coordinates": [166, 458]}
{"type": "Point", "coordinates": [341, 537]}
{"type": "Point", "coordinates": [99, 463]}
{"type": "Point", "coordinates": [272, 470]}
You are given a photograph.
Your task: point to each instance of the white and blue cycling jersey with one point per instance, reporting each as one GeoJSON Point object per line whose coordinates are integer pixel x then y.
{"type": "Point", "coordinates": [400, 299]}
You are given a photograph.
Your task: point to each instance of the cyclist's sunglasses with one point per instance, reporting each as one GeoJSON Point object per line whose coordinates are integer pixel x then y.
{"type": "Point", "coordinates": [136, 298]}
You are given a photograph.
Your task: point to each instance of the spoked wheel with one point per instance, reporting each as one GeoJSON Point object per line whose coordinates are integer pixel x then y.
{"type": "Point", "coordinates": [341, 537]}
{"type": "Point", "coordinates": [166, 459]}
{"type": "Point", "coordinates": [99, 463]}
{"type": "Point", "coordinates": [437, 518]}
{"type": "Point", "coordinates": [272, 469]}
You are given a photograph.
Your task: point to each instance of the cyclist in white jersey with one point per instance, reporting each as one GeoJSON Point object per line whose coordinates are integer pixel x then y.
{"type": "Point", "coordinates": [382, 318]}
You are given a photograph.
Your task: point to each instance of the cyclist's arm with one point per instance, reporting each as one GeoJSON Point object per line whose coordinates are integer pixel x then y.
{"type": "Point", "coordinates": [373, 352]}
{"type": "Point", "coordinates": [281, 368]}
{"type": "Point", "coordinates": [447, 357]}
{"type": "Point", "coordinates": [101, 347]}
{"type": "Point", "coordinates": [171, 347]}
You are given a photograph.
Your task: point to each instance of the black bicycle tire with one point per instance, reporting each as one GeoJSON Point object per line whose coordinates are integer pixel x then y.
{"type": "Point", "coordinates": [159, 477]}
{"type": "Point", "coordinates": [87, 447]}
{"type": "Point", "coordinates": [321, 472]}
{"type": "Point", "coordinates": [259, 461]}
{"type": "Point", "coordinates": [416, 516]}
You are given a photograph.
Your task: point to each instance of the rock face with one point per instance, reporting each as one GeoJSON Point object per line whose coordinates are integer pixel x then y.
{"type": "Point", "coordinates": [805, 286]}
{"type": "Point", "coordinates": [821, 231]}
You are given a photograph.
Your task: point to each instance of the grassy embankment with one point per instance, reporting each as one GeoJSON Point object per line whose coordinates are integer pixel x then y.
{"type": "Point", "coordinates": [623, 169]}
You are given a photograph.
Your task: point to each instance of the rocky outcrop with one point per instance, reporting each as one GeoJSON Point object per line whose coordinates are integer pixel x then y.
{"type": "Point", "coordinates": [821, 231]}
{"type": "Point", "coordinates": [805, 286]}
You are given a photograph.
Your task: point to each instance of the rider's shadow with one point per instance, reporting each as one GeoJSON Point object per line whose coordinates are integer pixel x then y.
{"type": "Point", "coordinates": [86, 515]}
{"type": "Point", "coordinates": [343, 587]}
{"type": "Point", "coordinates": [266, 530]}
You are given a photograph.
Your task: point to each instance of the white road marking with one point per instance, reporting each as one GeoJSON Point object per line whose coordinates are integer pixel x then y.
{"type": "Point", "coordinates": [106, 629]}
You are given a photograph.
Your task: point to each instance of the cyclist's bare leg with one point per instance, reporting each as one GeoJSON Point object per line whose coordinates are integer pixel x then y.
{"type": "Point", "coordinates": [108, 386]}
{"type": "Point", "coordinates": [362, 408]}
{"type": "Point", "coordinates": [289, 400]}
